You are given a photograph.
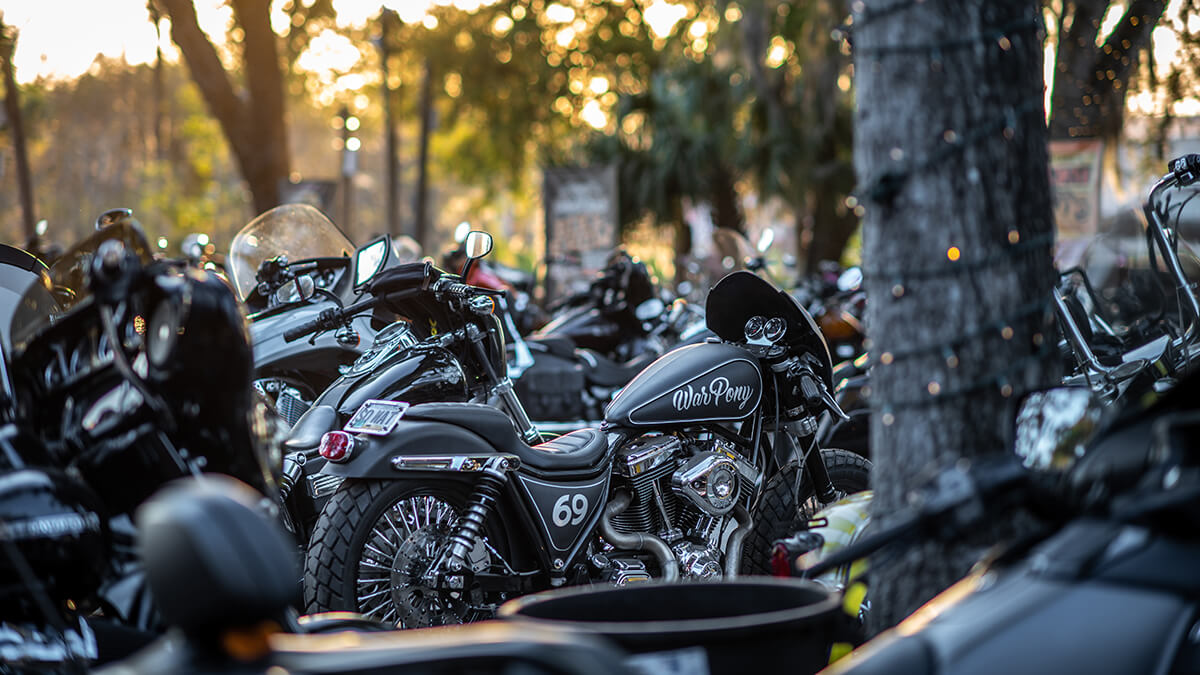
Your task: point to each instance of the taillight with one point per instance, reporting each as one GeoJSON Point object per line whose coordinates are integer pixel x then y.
{"type": "Point", "coordinates": [780, 561]}
{"type": "Point", "coordinates": [337, 446]}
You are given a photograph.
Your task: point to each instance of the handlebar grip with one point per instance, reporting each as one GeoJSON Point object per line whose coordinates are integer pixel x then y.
{"type": "Point", "coordinates": [1186, 168]}
{"type": "Point", "coordinates": [293, 334]}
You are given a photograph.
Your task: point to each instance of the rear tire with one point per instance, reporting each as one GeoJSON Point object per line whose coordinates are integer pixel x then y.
{"type": "Point", "coordinates": [780, 514]}
{"type": "Point", "coordinates": [391, 526]}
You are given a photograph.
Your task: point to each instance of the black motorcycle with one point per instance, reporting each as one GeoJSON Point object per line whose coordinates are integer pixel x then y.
{"type": "Point", "coordinates": [113, 393]}
{"type": "Point", "coordinates": [447, 346]}
{"type": "Point", "coordinates": [444, 509]}
{"type": "Point", "coordinates": [1105, 585]}
{"type": "Point", "coordinates": [288, 265]}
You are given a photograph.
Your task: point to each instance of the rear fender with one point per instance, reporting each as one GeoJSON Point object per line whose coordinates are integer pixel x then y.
{"type": "Point", "coordinates": [377, 456]}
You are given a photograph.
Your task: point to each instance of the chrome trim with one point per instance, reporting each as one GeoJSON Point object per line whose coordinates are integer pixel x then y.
{"type": "Point", "coordinates": [459, 463]}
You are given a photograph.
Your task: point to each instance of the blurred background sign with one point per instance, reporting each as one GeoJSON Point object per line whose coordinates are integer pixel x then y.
{"type": "Point", "coordinates": [319, 193]}
{"type": "Point", "coordinates": [1075, 180]}
{"type": "Point", "coordinates": [581, 224]}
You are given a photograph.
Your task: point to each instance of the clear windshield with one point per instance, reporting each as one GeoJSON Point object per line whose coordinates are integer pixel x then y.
{"type": "Point", "coordinates": [297, 231]}
{"type": "Point", "coordinates": [65, 286]}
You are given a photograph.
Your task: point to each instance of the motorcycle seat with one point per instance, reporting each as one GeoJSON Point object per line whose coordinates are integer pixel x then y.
{"type": "Point", "coordinates": [554, 344]}
{"type": "Point", "coordinates": [312, 425]}
{"type": "Point", "coordinates": [604, 372]}
{"type": "Point", "coordinates": [576, 450]}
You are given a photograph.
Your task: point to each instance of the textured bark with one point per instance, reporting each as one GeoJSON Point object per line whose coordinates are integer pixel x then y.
{"type": "Point", "coordinates": [959, 128]}
{"type": "Point", "coordinates": [254, 124]}
{"type": "Point", "coordinates": [1088, 97]}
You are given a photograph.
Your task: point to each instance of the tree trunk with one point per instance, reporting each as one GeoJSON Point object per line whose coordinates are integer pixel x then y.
{"type": "Point", "coordinates": [421, 225]}
{"type": "Point", "coordinates": [952, 166]}
{"type": "Point", "coordinates": [254, 126]}
{"type": "Point", "coordinates": [726, 206]}
{"type": "Point", "coordinates": [16, 130]}
{"type": "Point", "coordinates": [1088, 96]}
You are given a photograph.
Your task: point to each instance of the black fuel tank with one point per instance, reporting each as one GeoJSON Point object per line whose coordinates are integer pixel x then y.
{"type": "Point", "coordinates": [698, 383]}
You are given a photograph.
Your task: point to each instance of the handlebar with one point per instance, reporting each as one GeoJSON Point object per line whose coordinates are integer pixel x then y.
{"type": "Point", "coordinates": [332, 318]}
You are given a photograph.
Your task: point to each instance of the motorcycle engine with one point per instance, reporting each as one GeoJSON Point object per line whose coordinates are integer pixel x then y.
{"type": "Point", "coordinates": [683, 491]}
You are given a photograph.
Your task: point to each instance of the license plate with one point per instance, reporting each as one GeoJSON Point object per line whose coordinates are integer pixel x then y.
{"type": "Point", "coordinates": [376, 417]}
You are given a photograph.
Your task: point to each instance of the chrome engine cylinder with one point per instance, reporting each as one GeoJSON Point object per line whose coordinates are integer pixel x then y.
{"type": "Point", "coordinates": [708, 480]}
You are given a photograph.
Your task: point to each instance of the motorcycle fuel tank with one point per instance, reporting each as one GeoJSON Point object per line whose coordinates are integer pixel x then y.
{"type": "Point", "coordinates": [698, 383]}
{"type": "Point", "coordinates": [414, 375]}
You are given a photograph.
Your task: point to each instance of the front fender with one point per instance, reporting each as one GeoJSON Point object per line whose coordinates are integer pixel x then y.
{"type": "Point", "coordinates": [372, 456]}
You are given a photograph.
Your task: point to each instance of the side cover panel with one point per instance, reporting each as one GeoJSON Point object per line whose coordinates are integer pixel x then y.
{"type": "Point", "coordinates": [564, 511]}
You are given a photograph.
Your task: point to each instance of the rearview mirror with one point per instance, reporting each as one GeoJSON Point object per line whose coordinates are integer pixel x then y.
{"type": "Point", "coordinates": [850, 280]}
{"type": "Point", "coordinates": [296, 290]}
{"type": "Point", "coordinates": [369, 259]}
{"type": "Point", "coordinates": [1053, 426]}
{"type": "Point", "coordinates": [478, 244]}
{"type": "Point", "coordinates": [649, 309]}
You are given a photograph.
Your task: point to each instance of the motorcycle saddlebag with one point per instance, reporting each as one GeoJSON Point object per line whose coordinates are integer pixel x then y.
{"type": "Point", "coordinates": [551, 389]}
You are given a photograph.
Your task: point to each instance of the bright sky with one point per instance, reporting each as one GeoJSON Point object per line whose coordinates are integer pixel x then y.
{"type": "Point", "coordinates": [53, 47]}
{"type": "Point", "coordinates": [56, 48]}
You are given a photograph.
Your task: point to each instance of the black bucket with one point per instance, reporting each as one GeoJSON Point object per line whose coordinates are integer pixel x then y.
{"type": "Point", "coordinates": [715, 627]}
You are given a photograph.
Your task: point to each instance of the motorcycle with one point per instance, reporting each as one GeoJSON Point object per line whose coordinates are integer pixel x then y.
{"type": "Point", "coordinates": [107, 399]}
{"type": "Point", "coordinates": [288, 265]}
{"type": "Point", "coordinates": [448, 347]}
{"type": "Point", "coordinates": [1117, 497]}
{"type": "Point", "coordinates": [444, 509]}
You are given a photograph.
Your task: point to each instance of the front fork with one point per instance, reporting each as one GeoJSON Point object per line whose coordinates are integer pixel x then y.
{"type": "Point", "coordinates": [813, 462]}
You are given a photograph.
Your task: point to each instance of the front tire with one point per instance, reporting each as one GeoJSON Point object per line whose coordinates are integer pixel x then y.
{"type": "Point", "coordinates": [373, 541]}
{"type": "Point", "coordinates": [780, 514]}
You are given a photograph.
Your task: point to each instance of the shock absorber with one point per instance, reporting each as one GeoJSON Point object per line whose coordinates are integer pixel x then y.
{"type": "Point", "coordinates": [470, 526]}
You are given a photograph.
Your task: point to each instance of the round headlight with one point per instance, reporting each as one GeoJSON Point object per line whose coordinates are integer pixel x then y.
{"type": "Point", "coordinates": [162, 333]}
{"type": "Point", "coordinates": [754, 327]}
{"type": "Point", "coordinates": [774, 329]}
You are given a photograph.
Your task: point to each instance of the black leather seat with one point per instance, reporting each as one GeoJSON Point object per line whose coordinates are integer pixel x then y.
{"type": "Point", "coordinates": [604, 372]}
{"type": "Point", "coordinates": [554, 344]}
{"type": "Point", "coordinates": [312, 425]}
{"type": "Point", "coordinates": [576, 450]}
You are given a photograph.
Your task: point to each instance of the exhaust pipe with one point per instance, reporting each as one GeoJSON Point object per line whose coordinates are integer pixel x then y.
{"type": "Point", "coordinates": [733, 549]}
{"type": "Point", "coordinates": [639, 541]}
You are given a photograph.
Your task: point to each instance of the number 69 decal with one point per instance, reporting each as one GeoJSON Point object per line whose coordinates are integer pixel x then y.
{"type": "Point", "coordinates": [570, 509]}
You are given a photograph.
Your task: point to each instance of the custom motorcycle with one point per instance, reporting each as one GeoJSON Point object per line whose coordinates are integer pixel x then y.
{"type": "Point", "coordinates": [445, 509]}
{"type": "Point", "coordinates": [446, 346]}
{"type": "Point", "coordinates": [110, 393]}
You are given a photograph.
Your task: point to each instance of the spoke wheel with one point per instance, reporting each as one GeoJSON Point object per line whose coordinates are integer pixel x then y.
{"type": "Point", "coordinates": [375, 551]}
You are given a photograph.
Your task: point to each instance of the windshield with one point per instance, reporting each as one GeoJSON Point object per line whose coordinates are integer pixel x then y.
{"type": "Point", "coordinates": [66, 284]}
{"type": "Point", "coordinates": [742, 295]}
{"type": "Point", "coordinates": [297, 231]}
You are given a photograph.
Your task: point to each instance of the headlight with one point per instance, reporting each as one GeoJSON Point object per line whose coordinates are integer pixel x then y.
{"type": "Point", "coordinates": [162, 333]}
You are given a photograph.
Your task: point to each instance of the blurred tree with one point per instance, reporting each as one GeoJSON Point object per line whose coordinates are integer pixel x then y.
{"type": "Point", "coordinates": [1093, 68]}
{"type": "Point", "coordinates": [16, 127]}
{"type": "Point", "coordinates": [802, 134]}
{"type": "Point", "coordinates": [253, 120]}
{"type": "Point", "coordinates": [951, 158]}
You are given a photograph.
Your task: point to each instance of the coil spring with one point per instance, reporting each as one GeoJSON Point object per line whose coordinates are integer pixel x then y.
{"type": "Point", "coordinates": [470, 525]}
